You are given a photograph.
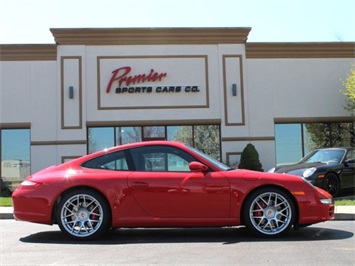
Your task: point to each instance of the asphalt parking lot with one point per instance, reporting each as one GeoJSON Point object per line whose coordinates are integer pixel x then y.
{"type": "Point", "coordinates": [328, 243]}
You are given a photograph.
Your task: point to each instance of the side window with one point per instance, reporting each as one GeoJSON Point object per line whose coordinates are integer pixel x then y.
{"type": "Point", "coordinates": [110, 161]}
{"type": "Point", "coordinates": [350, 155]}
{"type": "Point", "coordinates": [161, 159]}
{"type": "Point", "coordinates": [177, 163]}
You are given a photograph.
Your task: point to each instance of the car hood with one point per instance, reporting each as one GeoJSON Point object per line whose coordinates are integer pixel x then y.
{"type": "Point", "coordinates": [298, 168]}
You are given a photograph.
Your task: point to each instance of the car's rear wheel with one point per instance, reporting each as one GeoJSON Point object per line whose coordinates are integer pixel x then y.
{"type": "Point", "coordinates": [269, 211]}
{"type": "Point", "coordinates": [83, 215]}
{"type": "Point", "coordinates": [331, 184]}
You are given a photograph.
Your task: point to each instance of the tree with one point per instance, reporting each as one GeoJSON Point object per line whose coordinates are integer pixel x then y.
{"type": "Point", "coordinates": [349, 91]}
{"type": "Point", "coordinates": [249, 159]}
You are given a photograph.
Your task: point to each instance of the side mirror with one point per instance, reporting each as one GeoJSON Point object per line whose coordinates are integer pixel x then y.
{"type": "Point", "coordinates": [198, 167]}
{"type": "Point", "coordinates": [351, 160]}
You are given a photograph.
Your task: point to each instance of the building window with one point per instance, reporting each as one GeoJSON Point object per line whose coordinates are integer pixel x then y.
{"type": "Point", "coordinates": [128, 135]}
{"type": "Point", "coordinates": [15, 157]}
{"type": "Point", "coordinates": [151, 133]}
{"type": "Point", "coordinates": [207, 140]}
{"type": "Point", "coordinates": [288, 139]}
{"type": "Point", "coordinates": [181, 133]}
{"type": "Point", "coordinates": [318, 135]}
{"type": "Point", "coordinates": [294, 141]}
{"type": "Point", "coordinates": [100, 138]}
{"type": "Point", "coordinates": [204, 137]}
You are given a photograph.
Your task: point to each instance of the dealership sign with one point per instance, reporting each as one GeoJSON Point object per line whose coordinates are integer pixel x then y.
{"type": "Point", "coordinates": [127, 83]}
{"type": "Point", "coordinates": [170, 82]}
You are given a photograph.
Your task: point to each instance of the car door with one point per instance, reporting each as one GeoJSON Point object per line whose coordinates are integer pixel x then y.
{"type": "Point", "coordinates": [348, 172]}
{"type": "Point", "coordinates": [163, 185]}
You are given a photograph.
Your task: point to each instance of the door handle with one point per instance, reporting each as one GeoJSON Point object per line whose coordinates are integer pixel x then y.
{"type": "Point", "coordinates": [139, 185]}
{"type": "Point", "coordinates": [213, 189]}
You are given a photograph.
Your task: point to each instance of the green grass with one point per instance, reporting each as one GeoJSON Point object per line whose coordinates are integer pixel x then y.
{"type": "Point", "coordinates": [345, 202]}
{"type": "Point", "coordinates": [5, 201]}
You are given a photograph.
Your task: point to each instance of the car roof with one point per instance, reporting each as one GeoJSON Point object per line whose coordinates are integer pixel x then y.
{"type": "Point", "coordinates": [146, 143]}
{"type": "Point", "coordinates": [93, 155]}
{"type": "Point", "coordinates": [336, 148]}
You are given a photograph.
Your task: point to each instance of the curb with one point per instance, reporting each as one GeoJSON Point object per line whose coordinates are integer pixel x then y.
{"type": "Point", "coordinates": [344, 216]}
{"type": "Point", "coordinates": [4, 216]}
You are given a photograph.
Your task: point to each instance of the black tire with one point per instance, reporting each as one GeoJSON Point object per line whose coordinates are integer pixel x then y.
{"type": "Point", "coordinates": [269, 212]}
{"type": "Point", "coordinates": [331, 184]}
{"type": "Point", "coordinates": [83, 215]}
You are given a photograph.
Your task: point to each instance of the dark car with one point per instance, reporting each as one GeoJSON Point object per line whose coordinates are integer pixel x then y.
{"type": "Point", "coordinates": [332, 169]}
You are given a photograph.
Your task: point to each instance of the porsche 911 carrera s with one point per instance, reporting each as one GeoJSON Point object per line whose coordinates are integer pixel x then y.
{"type": "Point", "coordinates": [165, 184]}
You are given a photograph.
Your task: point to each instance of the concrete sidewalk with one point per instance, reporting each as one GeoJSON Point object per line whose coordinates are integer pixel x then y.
{"type": "Point", "coordinates": [341, 213]}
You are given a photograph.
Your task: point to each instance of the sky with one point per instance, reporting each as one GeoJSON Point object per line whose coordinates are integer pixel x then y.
{"type": "Point", "coordinates": [30, 21]}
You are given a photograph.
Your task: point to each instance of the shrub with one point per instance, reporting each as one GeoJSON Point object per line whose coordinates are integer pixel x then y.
{"type": "Point", "coordinates": [249, 159]}
{"type": "Point", "coordinates": [4, 189]}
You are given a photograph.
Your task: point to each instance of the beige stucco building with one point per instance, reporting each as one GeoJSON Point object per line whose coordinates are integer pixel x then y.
{"type": "Point", "coordinates": [92, 78]}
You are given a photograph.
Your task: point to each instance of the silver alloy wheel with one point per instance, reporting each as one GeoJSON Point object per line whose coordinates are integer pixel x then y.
{"type": "Point", "coordinates": [81, 215]}
{"type": "Point", "coordinates": [270, 213]}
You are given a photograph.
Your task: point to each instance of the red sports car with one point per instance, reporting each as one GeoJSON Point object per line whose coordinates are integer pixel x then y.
{"type": "Point", "coordinates": [165, 184]}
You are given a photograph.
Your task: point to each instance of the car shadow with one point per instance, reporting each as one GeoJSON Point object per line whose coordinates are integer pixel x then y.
{"type": "Point", "coordinates": [226, 235]}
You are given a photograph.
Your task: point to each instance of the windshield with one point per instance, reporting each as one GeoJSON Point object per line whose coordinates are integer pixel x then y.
{"type": "Point", "coordinates": [216, 163]}
{"type": "Point", "coordinates": [324, 156]}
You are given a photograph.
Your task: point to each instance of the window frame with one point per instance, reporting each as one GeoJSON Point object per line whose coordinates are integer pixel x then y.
{"type": "Point", "coordinates": [165, 151]}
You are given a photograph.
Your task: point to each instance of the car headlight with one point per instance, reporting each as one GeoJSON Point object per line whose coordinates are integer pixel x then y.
{"type": "Point", "coordinates": [308, 172]}
{"type": "Point", "coordinates": [326, 201]}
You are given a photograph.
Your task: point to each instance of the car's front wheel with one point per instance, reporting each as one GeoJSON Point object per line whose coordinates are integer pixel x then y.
{"type": "Point", "coordinates": [331, 184]}
{"type": "Point", "coordinates": [269, 211]}
{"type": "Point", "coordinates": [83, 215]}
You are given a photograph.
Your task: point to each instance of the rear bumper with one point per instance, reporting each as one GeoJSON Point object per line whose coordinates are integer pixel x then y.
{"type": "Point", "coordinates": [36, 210]}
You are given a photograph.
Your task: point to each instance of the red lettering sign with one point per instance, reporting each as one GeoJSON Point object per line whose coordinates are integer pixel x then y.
{"type": "Point", "coordinates": [121, 75]}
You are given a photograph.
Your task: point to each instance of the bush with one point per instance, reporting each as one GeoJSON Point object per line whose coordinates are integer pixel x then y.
{"type": "Point", "coordinates": [249, 159]}
{"type": "Point", "coordinates": [4, 190]}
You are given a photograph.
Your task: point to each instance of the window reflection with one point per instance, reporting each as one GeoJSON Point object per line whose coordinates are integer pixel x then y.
{"type": "Point", "coordinates": [207, 140]}
{"type": "Point", "coordinates": [161, 159]}
{"type": "Point", "coordinates": [112, 161]}
{"type": "Point", "coordinates": [15, 157]}
{"type": "Point", "coordinates": [100, 138]}
{"type": "Point", "coordinates": [204, 137]}
{"type": "Point", "coordinates": [323, 135]}
{"type": "Point", "coordinates": [154, 132]}
{"type": "Point", "coordinates": [294, 141]}
{"type": "Point", "coordinates": [129, 134]}
{"type": "Point", "coordinates": [288, 138]}
{"type": "Point", "coordinates": [180, 133]}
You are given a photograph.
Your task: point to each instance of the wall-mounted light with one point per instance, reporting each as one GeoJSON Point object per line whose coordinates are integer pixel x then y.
{"type": "Point", "coordinates": [71, 92]}
{"type": "Point", "coordinates": [234, 89]}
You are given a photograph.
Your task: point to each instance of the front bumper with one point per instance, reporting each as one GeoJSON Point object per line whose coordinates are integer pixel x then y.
{"type": "Point", "coordinates": [314, 211]}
